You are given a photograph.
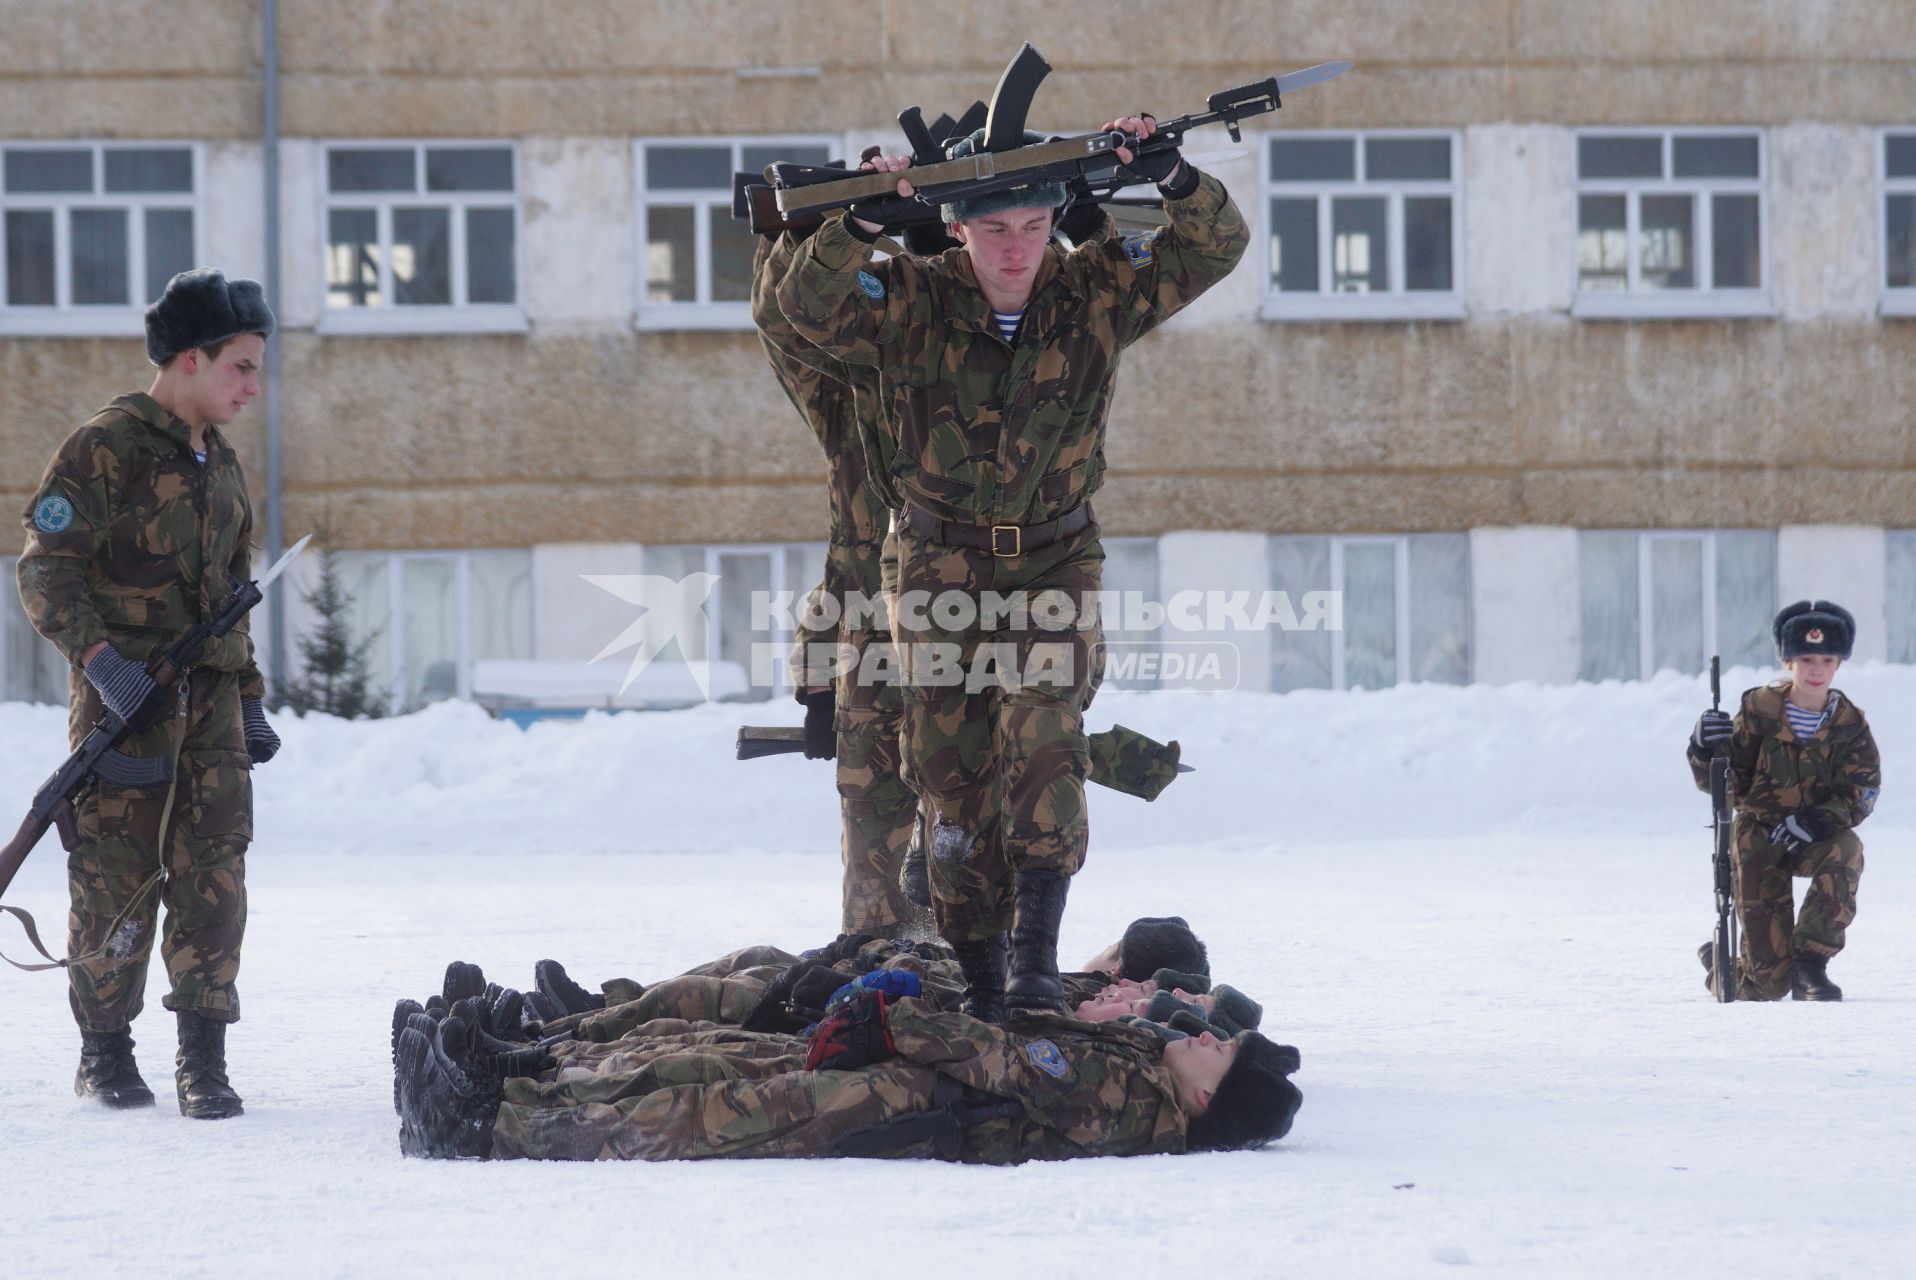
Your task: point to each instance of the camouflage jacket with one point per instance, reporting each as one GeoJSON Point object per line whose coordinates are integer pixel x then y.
{"type": "Point", "coordinates": [1774, 773]}
{"type": "Point", "coordinates": [132, 541]}
{"type": "Point", "coordinates": [982, 430]}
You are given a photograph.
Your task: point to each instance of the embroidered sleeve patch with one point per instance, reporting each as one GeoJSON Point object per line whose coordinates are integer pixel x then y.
{"type": "Point", "coordinates": [53, 515]}
{"type": "Point", "coordinates": [1866, 803]}
{"type": "Point", "coordinates": [874, 287]}
{"type": "Point", "coordinates": [1045, 1056]}
{"type": "Point", "coordinates": [1142, 246]}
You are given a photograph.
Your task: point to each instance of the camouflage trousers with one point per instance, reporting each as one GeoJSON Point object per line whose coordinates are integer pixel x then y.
{"type": "Point", "coordinates": [994, 707]}
{"type": "Point", "coordinates": [878, 809]}
{"type": "Point", "coordinates": [203, 865]}
{"type": "Point", "coordinates": [1773, 930]}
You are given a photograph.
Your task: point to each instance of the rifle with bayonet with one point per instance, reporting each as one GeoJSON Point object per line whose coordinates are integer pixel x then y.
{"type": "Point", "coordinates": [98, 757]}
{"type": "Point", "coordinates": [1723, 979]}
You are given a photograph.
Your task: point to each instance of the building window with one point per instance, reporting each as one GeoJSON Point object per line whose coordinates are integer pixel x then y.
{"type": "Point", "coordinates": [1404, 611]}
{"type": "Point", "coordinates": [432, 614]}
{"type": "Point", "coordinates": [1132, 658]}
{"type": "Point", "coordinates": [1667, 600]}
{"type": "Point", "coordinates": [93, 232]}
{"type": "Point", "coordinates": [1670, 223]}
{"type": "Point", "coordinates": [695, 259]}
{"type": "Point", "coordinates": [31, 669]}
{"type": "Point", "coordinates": [744, 635]}
{"type": "Point", "coordinates": [1899, 224]}
{"type": "Point", "coordinates": [1899, 596]}
{"type": "Point", "coordinates": [1363, 226]}
{"type": "Point", "coordinates": [421, 238]}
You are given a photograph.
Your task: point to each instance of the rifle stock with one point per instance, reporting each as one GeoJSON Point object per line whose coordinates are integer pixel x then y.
{"type": "Point", "coordinates": [1722, 857]}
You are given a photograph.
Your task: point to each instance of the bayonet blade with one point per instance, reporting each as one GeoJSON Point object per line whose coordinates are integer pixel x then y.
{"type": "Point", "coordinates": [280, 565]}
{"type": "Point", "coordinates": [1311, 75]}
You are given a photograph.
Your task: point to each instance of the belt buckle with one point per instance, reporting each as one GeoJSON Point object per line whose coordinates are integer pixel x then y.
{"type": "Point", "coordinates": [998, 532]}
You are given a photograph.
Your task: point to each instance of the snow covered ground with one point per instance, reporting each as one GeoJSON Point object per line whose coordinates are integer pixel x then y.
{"type": "Point", "coordinates": [1474, 910]}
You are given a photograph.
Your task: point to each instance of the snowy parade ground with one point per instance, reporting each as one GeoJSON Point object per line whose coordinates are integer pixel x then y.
{"type": "Point", "coordinates": [1473, 910]}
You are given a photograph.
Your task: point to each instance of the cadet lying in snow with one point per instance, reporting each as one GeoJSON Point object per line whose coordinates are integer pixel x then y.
{"type": "Point", "coordinates": [881, 1075]}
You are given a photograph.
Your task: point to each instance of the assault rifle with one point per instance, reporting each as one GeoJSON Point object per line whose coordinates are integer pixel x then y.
{"type": "Point", "coordinates": [1723, 952]}
{"type": "Point", "coordinates": [98, 756]}
{"type": "Point", "coordinates": [1006, 161]}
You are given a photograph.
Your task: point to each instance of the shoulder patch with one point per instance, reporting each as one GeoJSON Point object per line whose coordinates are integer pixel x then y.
{"type": "Point", "coordinates": [54, 514]}
{"type": "Point", "coordinates": [1141, 246]}
{"type": "Point", "coordinates": [874, 287]}
{"type": "Point", "coordinates": [1045, 1056]}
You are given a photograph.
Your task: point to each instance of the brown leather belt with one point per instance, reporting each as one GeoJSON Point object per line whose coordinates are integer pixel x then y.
{"type": "Point", "coordinates": [1002, 540]}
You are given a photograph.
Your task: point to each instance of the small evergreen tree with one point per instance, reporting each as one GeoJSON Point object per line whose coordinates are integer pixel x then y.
{"type": "Point", "coordinates": [338, 678]}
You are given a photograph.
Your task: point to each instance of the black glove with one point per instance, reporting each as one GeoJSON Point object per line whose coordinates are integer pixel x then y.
{"type": "Point", "coordinates": [1153, 166]}
{"type": "Point", "coordinates": [1801, 830]}
{"type": "Point", "coordinates": [855, 1036]}
{"type": "Point", "coordinates": [1712, 727]}
{"type": "Point", "coordinates": [261, 742]}
{"type": "Point", "coordinates": [814, 986]}
{"type": "Point", "coordinates": [127, 689]}
{"type": "Point", "coordinates": [1081, 220]}
{"type": "Point", "coordinates": [821, 737]}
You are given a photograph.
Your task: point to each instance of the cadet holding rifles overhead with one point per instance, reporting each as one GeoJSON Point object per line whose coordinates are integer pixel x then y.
{"type": "Point", "coordinates": [1805, 772]}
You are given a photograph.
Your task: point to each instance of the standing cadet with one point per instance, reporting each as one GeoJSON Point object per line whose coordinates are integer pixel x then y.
{"type": "Point", "coordinates": [995, 370]}
{"type": "Point", "coordinates": [1805, 772]}
{"type": "Point", "coordinates": [135, 534]}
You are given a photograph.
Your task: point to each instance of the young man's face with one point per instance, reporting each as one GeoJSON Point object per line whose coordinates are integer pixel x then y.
{"type": "Point", "coordinates": [1198, 1064]}
{"type": "Point", "coordinates": [1814, 671]}
{"type": "Point", "coordinates": [1006, 248]}
{"type": "Point", "coordinates": [226, 384]}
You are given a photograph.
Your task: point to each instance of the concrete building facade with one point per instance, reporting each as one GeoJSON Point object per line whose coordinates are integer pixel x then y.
{"type": "Point", "coordinates": [1571, 342]}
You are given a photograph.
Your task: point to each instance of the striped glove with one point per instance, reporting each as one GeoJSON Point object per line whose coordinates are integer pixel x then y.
{"type": "Point", "coordinates": [261, 742]}
{"type": "Point", "coordinates": [127, 689]}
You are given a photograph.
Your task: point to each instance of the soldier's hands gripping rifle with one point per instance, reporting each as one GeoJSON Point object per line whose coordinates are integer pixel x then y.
{"type": "Point", "coordinates": [98, 756]}
{"type": "Point", "coordinates": [1723, 950]}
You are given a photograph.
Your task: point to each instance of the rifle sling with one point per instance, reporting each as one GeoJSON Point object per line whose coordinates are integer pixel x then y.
{"type": "Point", "coordinates": [955, 1108]}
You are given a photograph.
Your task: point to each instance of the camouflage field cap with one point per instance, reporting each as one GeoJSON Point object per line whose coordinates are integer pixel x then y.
{"type": "Point", "coordinates": [1038, 195]}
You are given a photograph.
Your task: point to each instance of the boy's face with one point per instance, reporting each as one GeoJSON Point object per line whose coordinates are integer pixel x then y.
{"type": "Point", "coordinates": [1198, 1064]}
{"type": "Point", "coordinates": [1814, 670]}
{"type": "Point", "coordinates": [1006, 247]}
{"type": "Point", "coordinates": [224, 385]}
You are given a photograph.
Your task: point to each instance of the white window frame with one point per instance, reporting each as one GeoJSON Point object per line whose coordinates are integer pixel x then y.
{"type": "Point", "coordinates": [1898, 301]}
{"type": "Point", "coordinates": [781, 637]}
{"type": "Point", "coordinates": [702, 313]}
{"type": "Point", "coordinates": [459, 316]}
{"type": "Point", "coordinates": [1704, 301]}
{"type": "Point", "coordinates": [1397, 303]}
{"type": "Point", "coordinates": [1646, 591]}
{"type": "Point", "coordinates": [64, 318]}
{"type": "Point", "coordinates": [396, 623]}
{"type": "Point", "coordinates": [1400, 543]}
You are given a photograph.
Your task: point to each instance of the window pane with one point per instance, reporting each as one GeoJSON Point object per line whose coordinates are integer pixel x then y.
{"type": "Point", "coordinates": [688, 168]}
{"type": "Point", "coordinates": [33, 172]}
{"type": "Point", "coordinates": [1668, 262]}
{"type": "Point", "coordinates": [1731, 157]}
{"type": "Point", "coordinates": [1899, 216]}
{"type": "Point", "coordinates": [1745, 596]}
{"type": "Point", "coordinates": [1294, 246]}
{"type": "Point", "coordinates": [754, 159]}
{"type": "Point", "coordinates": [1359, 259]}
{"type": "Point", "coordinates": [1130, 568]}
{"type": "Point", "coordinates": [671, 256]}
{"type": "Point", "coordinates": [1676, 605]}
{"type": "Point", "coordinates": [422, 257]}
{"type": "Point", "coordinates": [491, 274]}
{"type": "Point", "coordinates": [363, 577]}
{"type": "Point", "coordinates": [1300, 659]}
{"type": "Point", "coordinates": [1619, 157]}
{"type": "Point", "coordinates": [35, 671]}
{"type": "Point", "coordinates": [169, 247]}
{"type": "Point", "coordinates": [468, 168]}
{"type": "Point", "coordinates": [371, 169]}
{"type": "Point", "coordinates": [1440, 607]}
{"type": "Point", "coordinates": [1607, 582]}
{"type": "Point", "coordinates": [1370, 616]}
{"type": "Point", "coordinates": [741, 575]}
{"type": "Point", "coordinates": [30, 258]}
{"type": "Point", "coordinates": [499, 624]}
{"type": "Point", "coordinates": [429, 602]}
{"type": "Point", "coordinates": [732, 248]}
{"type": "Point", "coordinates": [1734, 255]}
{"type": "Point", "coordinates": [99, 257]}
{"type": "Point", "coordinates": [1603, 260]}
{"type": "Point", "coordinates": [352, 258]}
{"type": "Point", "coordinates": [1313, 159]}
{"type": "Point", "coordinates": [1427, 242]}
{"type": "Point", "coordinates": [1900, 601]}
{"type": "Point", "coordinates": [1407, 159]}
{"type": "Point", "coordinates": [148, 169]}
{"type": "Point", "coordinates": [1899, 156]}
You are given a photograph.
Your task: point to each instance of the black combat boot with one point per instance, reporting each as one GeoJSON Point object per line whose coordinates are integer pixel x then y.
{"type": "Point", "coordinates": [1039, 896]}
{"type": "Point", "coordinates": [205, 1092]}
{"type": "Point", "coordinates": [914, 874]}
{"type": "Point", "coordinates": [108, 1072]}
{"type": "Point", "coordinates": [551, 979]}
{"type": "Point", "coordinates": [1813, 980]}
{"type": "Point", "coordinates": [448, 1094]}
{"type": "Point", "coordinates": [462, 980]}
{"type": "Point", "coordinates": [982, 960]}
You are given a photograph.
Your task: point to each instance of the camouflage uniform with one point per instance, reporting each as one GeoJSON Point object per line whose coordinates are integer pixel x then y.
{"type": "Point", "coordinates": [1076, 1089]}
{"type": "Point", "coordinates": [132, 541]}
{"type": "Point", "coordinates": [878, 810]}
{"type": "Point", "coordinates": [1774, 774]}
{"type": "Point", "coordinates": [989, 433]}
